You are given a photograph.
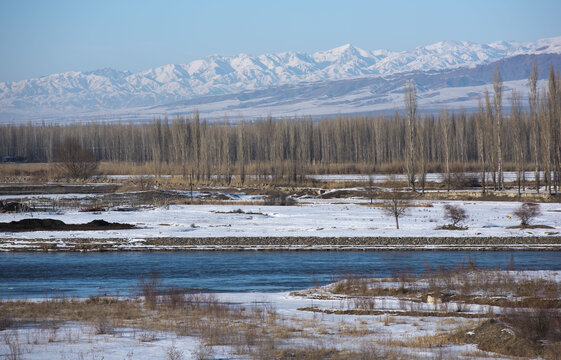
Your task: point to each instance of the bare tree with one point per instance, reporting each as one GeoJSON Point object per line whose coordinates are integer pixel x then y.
{"type": "Point", "coordinates": [396, 205]}
{"type": "Point", "coordinates": [480, 137]}
{"type": "Point", "coordinates": [518, 134]}
{"type": "Point", "coordinates": [371, 188]}
{"type": "Point", "coordinates": [553, 112]}
{"type": "Point", "coordinates": [241, 154]}
{"type": "Point", "coordinates": [490, 138]}
{"type": "Point", "coordinates": [73, 161]}
{"type": "Point", "coordinates": [423, 148]}
{"type": "Point", "coordinates": [446, 126]}
{"type": "Point", "coordinates": [526, 212]}
{"type": "Point", "coordinates": [533, 100]}
{"type": "Point", "coordinates": [546, 141]}
{"type": "Point", "coordinates": [498, 105]}
{"type": "Point", "coordinates": [411, 111]}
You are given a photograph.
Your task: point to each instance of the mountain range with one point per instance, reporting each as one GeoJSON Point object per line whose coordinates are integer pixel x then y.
{"type": "Point", "coordinates": [342, 80]}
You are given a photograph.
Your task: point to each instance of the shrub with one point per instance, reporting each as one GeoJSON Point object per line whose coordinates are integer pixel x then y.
{"type": "Point", "coordinates": [173, 353]}
{"type": "Point", "coordinates": [203, 352]}
{"type": "Point", "coordinates": [455, 214]}
{"type": "Point", "coordinates": [150, 290]}
{"type": "Point", "coordinates": [462, 180]}
{"type": "Point", "coordinates": [75, 162]}
{"type": "Point", "coordinates": [174, 298]}
{"type": "Point", "coordinates": [535, 324]}
{"type": "Point", "coordinates": [103, 325]}
{"type": "Point", "coordinates": [5, 321]}
{"type": "Point", "coordinates": [526, 212]}
{"type": "Point", "coordinates": [278, 197]}
{"type": "Point", "coordinates": [15, 350]}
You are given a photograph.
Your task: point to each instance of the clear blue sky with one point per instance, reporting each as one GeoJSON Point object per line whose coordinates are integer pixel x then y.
{"type": "Point", "coordinates": [42, 37]}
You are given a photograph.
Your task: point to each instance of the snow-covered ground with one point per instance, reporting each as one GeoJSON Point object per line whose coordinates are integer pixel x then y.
{"type": "Point", "coordinates": [316, 218]}
{"type": "Point", "coordinates": [80, 341]}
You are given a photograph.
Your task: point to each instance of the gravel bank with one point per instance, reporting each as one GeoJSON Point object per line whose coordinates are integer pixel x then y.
{"type": "Point", "coordinates": [286, 243]}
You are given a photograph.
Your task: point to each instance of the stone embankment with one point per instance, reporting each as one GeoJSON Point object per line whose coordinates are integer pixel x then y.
{"type": "Point", "coordinates": [286, 243]}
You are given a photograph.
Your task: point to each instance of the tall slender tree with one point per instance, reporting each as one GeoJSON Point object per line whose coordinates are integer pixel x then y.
{"type": "Point", "coordinates": [517, 125]}
{"type": "Point", "coordinates": [534, 103]}
{"type": "Point", "coordinates": [411, 113]}
{"type": "Point", "coordinates": [480, 125]}
{"type": "Point", "coordinates": [446, 126]}
{"type": "Point", "coordinates": [498, 104]}
{"type": "Point", "coordinates": [552, 108]}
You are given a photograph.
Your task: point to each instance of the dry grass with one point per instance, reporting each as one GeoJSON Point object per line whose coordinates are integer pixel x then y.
{"type": "Point", "coordinates": [530, 324]}
{"type": "Point", "coordinates": [520, 333]}
{"type": "Point", "coordinates": [256, 331]}
{"type": "Point", "coordinates": [32, 173]}
{"type": "Point", "coordinates": [364, 351]}
{"type": "Point", "coordinates": [171, 310]}
{"type": "Point", "coordinates": [536, 325]}
{"type": "Point", "coordinates": [391, 314]}
{"type": "Point", "coordinates": [463, 284]}
{"type": "Point", "coordinates": [441, 339]}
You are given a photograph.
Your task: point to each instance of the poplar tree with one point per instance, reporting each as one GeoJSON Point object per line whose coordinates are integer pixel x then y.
{"type": "Point", "coordinates": [480, 136]}
{"type": "Point", "coordinates": [411, 113]}
{"type": "Point", "coordinates": [498, 99]}
{"type": "Point", "coordinates": [533, 102]}
{"type": "Point", "coordinates": [446, 126]}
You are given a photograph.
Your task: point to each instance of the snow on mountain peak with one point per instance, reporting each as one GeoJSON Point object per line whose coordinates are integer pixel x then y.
{"type": "Point", "coordinates": [342, 49]}
{"type": "Point", "coordinates": [104, 89]}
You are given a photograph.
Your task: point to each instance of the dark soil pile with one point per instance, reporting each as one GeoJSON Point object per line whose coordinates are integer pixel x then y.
{"type": "Point", "coordinates": [451, 227]}
{"type": "Point", "coordinates": [531, 227]}
{"type": "Point", "coordinates": [58, 225]}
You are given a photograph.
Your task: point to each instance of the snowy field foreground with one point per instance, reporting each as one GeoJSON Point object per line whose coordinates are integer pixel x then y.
{"type": "Point", "coordinates": [319, 218]}
{"type": "Point", "coordinates": [365, 324]}
{"type": "Point", "coordinates": [73, 340]}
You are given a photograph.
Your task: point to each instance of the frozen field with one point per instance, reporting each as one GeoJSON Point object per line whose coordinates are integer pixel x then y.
{"type": "Point", "coordinates": [315, 219]}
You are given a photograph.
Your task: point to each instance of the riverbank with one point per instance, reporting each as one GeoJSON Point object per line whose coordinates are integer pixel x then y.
{"type": "Point", "coordinates": [540, 243]}
{"type": "Point", "coordinates": [460, 313]}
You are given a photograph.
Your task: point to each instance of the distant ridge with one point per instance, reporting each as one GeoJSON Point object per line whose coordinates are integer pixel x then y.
{"type": "Point", "coordinates": [324, 78]}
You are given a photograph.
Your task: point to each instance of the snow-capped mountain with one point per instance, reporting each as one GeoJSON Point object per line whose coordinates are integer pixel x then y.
{"type": "Point", "coordinates": [108, 91]}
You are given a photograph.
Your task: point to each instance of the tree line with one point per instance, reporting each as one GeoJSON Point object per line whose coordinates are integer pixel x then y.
{"type": "Point", "coordinates": [488, 141]}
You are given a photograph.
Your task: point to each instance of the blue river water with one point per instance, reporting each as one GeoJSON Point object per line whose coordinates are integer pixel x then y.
{"type": "Point", "coordinates": [33, 275]}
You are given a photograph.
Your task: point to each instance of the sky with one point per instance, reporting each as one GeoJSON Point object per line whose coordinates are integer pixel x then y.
{"type": "Point", "coordinates": [39, 37]}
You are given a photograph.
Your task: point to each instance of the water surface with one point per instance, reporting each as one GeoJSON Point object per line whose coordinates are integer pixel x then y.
{"type": "Point", "coordinates": [84, 274]}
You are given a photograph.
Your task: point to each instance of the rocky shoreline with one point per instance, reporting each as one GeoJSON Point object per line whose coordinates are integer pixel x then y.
{"type": "Point", "coordinates": [549, 243]}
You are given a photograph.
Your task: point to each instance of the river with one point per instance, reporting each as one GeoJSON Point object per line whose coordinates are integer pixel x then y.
{"type": "Point", "coordinates": [35, 275]}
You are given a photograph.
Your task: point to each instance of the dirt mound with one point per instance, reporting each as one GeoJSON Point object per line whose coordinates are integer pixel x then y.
{"type": "Point", "coordinates": [58, 225]}
{"type": "Point", "coordinates": [530, 227]}
{"type": "Point", "coordinates": [61, 188]}
{"type": "Point", "coordinates": [451, 227]}
{"type": "Point", "coordinates": [336, 194]}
